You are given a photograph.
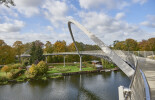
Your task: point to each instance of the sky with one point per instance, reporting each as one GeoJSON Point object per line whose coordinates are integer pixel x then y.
{"type": "Point", "coordinates": [46, 20]}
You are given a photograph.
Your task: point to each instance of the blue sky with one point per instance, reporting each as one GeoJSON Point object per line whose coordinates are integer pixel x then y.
{"type": "Point", "coordinates": [46, 20]}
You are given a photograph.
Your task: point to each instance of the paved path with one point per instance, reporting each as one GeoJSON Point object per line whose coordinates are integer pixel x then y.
{"type": "Point", "coordinates": [148, 67]}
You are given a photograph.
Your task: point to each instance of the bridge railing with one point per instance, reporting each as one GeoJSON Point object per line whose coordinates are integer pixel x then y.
{"type": "Point", "coordinates": [125, 55]}
{"type": "Point", "coordinates": [95, 52]}
{"type": "Point", "coordinates": [145, 54]}
{"type": "Point", "coordinates": [139, 86]}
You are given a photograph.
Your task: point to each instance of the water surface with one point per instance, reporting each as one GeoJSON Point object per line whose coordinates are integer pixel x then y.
{"type": "Point", "coordinates": [96, 86]}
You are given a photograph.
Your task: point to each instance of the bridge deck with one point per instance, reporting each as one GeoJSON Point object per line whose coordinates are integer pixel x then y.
{"type": "Point", "coordinates": [148, 67]}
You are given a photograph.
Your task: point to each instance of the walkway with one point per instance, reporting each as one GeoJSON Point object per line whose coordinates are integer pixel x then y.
{"type": "Point", "coordinates": [148, 67]}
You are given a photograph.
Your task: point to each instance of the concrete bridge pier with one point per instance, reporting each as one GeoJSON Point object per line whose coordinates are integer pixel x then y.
{"type": "Point", "coordinates": [64, 60]}
{"type": "Point", "coordinates": [80, 62]}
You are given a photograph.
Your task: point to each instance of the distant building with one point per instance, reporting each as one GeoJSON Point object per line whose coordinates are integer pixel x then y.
{"type": "Point", "coordinates": [94, 62]}
{"type": "Point", "coordinates": [99, 67]}
{"type": "Point", "coordinates": [97, 64]}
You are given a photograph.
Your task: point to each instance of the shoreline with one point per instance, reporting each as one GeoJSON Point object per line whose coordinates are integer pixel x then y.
{"type": "Point", "coordinates": [57, 75]}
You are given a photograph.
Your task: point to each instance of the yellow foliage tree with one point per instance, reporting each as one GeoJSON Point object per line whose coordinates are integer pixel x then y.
{"type": "Point", "coordinates": [33, 70]}
{"type": "Point", "coordinates": [59, 46]}
{"type": "Point", "coordinates": [7, 55]}
{"type": "Point", "coordinates": [5, 69]}
{"type": "Point", "coordinates": [42, 67]}
{"type": "Point", "coordinates": [18, 46]}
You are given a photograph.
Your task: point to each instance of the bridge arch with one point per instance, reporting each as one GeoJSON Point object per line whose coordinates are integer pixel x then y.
{"type": "Point", "coordinates": [112, 55]}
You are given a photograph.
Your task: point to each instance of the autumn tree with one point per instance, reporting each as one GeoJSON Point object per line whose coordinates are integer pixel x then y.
{"type": "Point", "coordinates": [49, 49]}
{"type": "Point", "coordinates": [115, 42]}
{"type": "Point", "coordinates": [151, 43]}
{"type": "Point", "coordinates": [128, 44]}
{"type": "Point", "coordinates": [18, 45]}
{"type": "Point", "coordinates": [131, 45]}
{"type": "Point", "coordinates": [5, 69]}
{"type": "Point", "coordinates": [7, 53]}
{"type": "Point", "coordinates": [71, 47]}
{"type": "Point", "coordinates": [120, 45]}
{"type": "Point", "coordinates": [27, 47]}
{"type": "Point", "coordinates": [143, 45]}
{"type": "Point", "coordinates": [59, 46]}
{"type": "Point", "coordinates": [2, 43]}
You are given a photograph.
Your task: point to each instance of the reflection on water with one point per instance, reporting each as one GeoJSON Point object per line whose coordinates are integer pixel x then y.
{"type": "Point", "coordinates": [96, 86]}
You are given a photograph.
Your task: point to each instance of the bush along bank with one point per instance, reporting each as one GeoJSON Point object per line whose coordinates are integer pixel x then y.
{"type": "Point", "coordinates": [42, 71]}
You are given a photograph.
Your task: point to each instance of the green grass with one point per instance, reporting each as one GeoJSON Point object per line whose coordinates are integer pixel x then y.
{"type": "Point", "coordinates": [69, 68]}
{"type": "Point", "coordinates": [3, 74]}
{"type": "Point", "coordinates": [22, 77]}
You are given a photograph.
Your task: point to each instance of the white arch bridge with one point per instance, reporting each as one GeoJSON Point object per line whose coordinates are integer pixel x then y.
{"type": "Point", "coordinates": [140, 70]}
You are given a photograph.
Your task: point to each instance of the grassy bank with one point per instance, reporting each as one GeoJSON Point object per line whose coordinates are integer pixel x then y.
{"type": "Point", "coordinates": [8, 77]}
{"type": "Point", "coordinates": [69, 68]}
{"type": "Point", "coordinates": [54, 71]}
{"type": "Point", "coordinates": [3, 74]}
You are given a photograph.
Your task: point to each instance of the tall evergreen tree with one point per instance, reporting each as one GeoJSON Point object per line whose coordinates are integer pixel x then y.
{"type": "Point", "coordinates": [36, 53]}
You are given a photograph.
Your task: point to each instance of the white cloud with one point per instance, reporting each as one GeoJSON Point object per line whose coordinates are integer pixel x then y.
{"type": "Point", "coordinates": [110, 4]}
{"type": "Point", "coordinates": [50, 28]}
{"type": "Point", "coordinates": [109, 29]}
{"type": "Point", "coordinates": [151, 17]}
{"type": "Point", "coordinates": [28, 7]}
{"type": "Point", "coordinates": [55, 11]}
{"type": "Point", "coordinates": [10, 32]}
{"type": "Point", "coordinates": [11, 37]}
{"type": "Point", "coordinates": [148, 24]}
{"type": "Point", "coordinates": [139, 1]}
{"type": "Point", "coordinates": [150, 21]}
{"type": "Point", "coordinates": [15, 26]}
{"type": "Point", "coordinates": [119, 15]}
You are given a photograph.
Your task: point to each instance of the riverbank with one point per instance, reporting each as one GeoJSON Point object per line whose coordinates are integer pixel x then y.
{"type": "Point", "coordinates": [93, 86]}
{"type": "Point", "coordinates": [54, 71]}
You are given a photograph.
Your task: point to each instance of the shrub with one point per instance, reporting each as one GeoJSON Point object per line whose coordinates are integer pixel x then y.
{"type": "Point", "coordinates": [16, 66]}
{"type": "Point", "coordinates": [39, 69]}
{"type": "Point", "coordinates": [15, 74]}
{"type": "Point", "coordinates": [3, 79]}
{"type": "Point", "coordinates": [12, 71]}
{"type": "Point", "coordinates": [5, 69]}
{"type": "Point", "coordinates": [42, 67]}
{"type": "Point", "coordinates": [33, 70]}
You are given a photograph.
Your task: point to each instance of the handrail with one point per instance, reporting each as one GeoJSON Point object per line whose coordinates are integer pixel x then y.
{"type": "Point", "coordinates": [144, 85]}
{"type": "Point", "coordinates": [147, 89]}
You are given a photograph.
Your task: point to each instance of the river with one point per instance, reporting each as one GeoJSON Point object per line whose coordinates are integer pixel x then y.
{"type": "Point", "coordinates": [96, 86]}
